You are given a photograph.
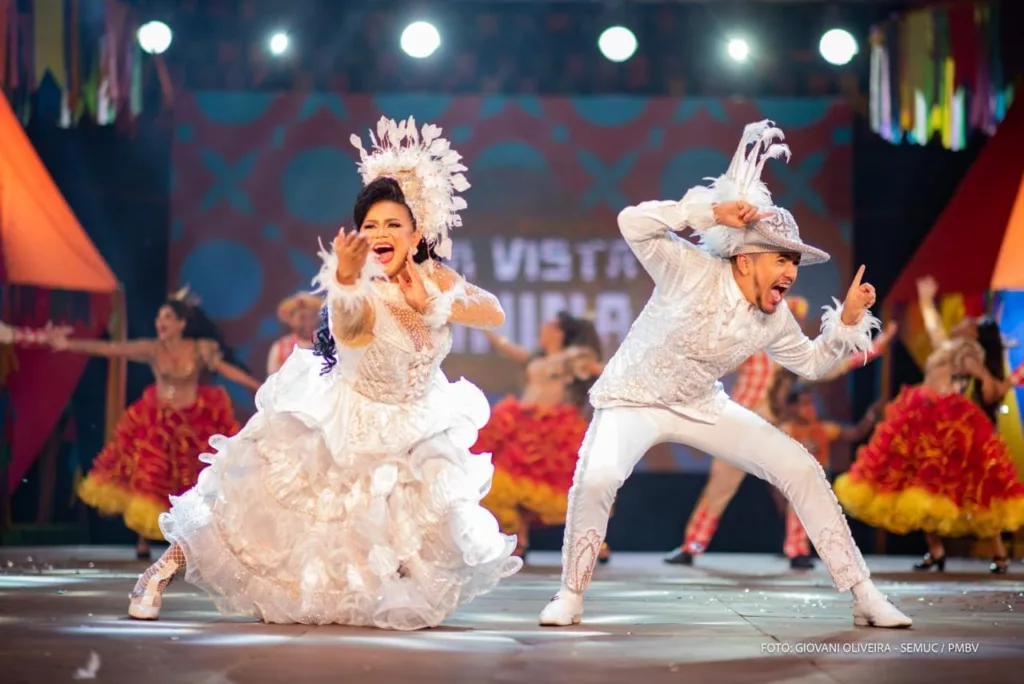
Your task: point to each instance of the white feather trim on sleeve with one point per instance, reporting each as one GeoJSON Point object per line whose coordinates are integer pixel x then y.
{"type": "Point", "coordinates": [441, 304]}
{"type": "Point", "coordinates": [344, 299]}
{"type": "Point", "coordinates": [719, 241]}
{"type": "Point", "coordinates": [848, 339]}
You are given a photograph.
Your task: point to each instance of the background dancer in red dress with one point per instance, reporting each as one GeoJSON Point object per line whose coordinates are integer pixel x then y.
{"type": "Point", "coordinates": [154, 453]}
{"type": "Point", "coordinates": [534, 440]}
{"type": "Point", "coordinates": [936, 462]}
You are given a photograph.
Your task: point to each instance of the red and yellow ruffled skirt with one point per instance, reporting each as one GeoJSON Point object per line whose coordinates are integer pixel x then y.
{"type": "Point", "coordinates": [936, 464]}
{"type": "Point", "coordinates": [154, 455]}
{"type": "Point", "coordinates": [534, 451]}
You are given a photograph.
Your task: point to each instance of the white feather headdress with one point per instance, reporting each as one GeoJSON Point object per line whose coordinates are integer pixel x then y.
{"type": "Point", "coordinates": [742, 182]}
{"type": "Point", "coordinates": [427, 169]}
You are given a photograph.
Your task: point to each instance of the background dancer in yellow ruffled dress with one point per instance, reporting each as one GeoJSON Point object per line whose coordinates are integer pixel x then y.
{"type": "Point", "coordinates": [535, 439]}
{"type": "Point", "coordinates": [935, 463]}
{"type": "Point", "coordinates": [154, 453]}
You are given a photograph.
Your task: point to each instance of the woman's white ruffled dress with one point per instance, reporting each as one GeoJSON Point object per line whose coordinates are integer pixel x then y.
{"type": "Point", "coordinates": [350, 497]}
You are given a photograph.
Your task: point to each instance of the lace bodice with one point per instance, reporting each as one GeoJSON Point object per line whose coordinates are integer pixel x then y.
{"type": "Point", "coordinates": [387, 351]}
{"type": "Point", "coordinates": [698, 326]}
{"type": "Point", "coordinates": [405, 355]}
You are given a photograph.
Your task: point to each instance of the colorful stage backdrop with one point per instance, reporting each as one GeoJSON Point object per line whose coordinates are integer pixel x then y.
{"type": "Point", "coordinates": [258, 178]}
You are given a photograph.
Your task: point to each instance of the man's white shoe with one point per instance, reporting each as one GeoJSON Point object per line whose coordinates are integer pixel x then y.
{"type": "Point", "coordinates": [564, 610]}
{"type": "Point", "coordinates": [878, 611]}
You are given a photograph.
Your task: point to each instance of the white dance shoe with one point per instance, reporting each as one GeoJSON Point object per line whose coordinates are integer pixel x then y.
{"type": "Point", "coordinates": [149, 590]}
{"type": "Point", "coordinates": [878, 611]}
{"type": "Point", "coordinates": [564, 610]}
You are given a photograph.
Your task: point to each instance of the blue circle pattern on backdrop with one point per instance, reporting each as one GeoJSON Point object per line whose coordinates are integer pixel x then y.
{"type": "Point", "coordinates": [609, 111]}
{"type": "Point", "coordinates": [314, 102]}
{"type": "Point", "coordinates": [513, 154]}
{"type": "Point", "coordinates": [424, 108]}
{"type": "Point", "coordinates": [305, 266]}
{"type": "Point", "coordinates": [793, 112]}
{"type": "Point", "coordinates": [226, 274]}
{"type": "Point", "coordinates": [689, 107]}
{"type": "Point", "coordinates": [234, 108]}
{"type": "Point", "coordinates": [319, 185]}
{"type": "Point", "coordinates": [690, 168]}
{"type": "Point", "coordinates": [270, 328]}
{"type": "Point", "coordinates": [496, 104]}
{"type": "Point", "coordinates": [459, 133]}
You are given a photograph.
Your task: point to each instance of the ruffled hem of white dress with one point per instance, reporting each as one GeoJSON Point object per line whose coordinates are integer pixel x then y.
{"type": "Point", "coordinates": [329, 507]}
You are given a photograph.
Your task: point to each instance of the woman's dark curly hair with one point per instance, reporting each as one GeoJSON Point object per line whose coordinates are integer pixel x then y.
{"type": "Point", "coordinates": [381, 189]}
{"type": "Point", "coordinates": [199, 326]}
{"type": "Point", "coordinates": [991, 340]}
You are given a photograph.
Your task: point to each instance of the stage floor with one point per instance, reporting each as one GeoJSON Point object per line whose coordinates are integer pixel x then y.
{"type": "Point", "coordinates": [734, 618]}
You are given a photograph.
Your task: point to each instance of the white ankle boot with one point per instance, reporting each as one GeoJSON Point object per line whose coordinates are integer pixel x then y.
{"type": "Point", "coordinates": [564, 610]}
{"type": "Point", "coordinates": [871, 608]}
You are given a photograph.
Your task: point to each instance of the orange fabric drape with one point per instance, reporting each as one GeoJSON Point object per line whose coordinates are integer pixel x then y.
{"type": "Point", "coordinates": [44, 245]}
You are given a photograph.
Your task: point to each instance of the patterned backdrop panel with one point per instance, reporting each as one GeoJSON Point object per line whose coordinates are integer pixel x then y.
{"type": "Point", "coordinates": [258, 178]}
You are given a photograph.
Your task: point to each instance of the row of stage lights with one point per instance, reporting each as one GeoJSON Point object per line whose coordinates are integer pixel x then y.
{"type": "Point", "coordinates": [421, 39]}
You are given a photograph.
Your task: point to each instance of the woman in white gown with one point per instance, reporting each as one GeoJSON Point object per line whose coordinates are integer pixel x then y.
{"type": "Point", "coordinates": [351, 497]}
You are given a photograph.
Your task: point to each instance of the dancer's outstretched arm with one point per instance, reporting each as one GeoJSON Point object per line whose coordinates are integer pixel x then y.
{"type": "Point", "coordinates": [462, 303]}
{"type": "Point", "coordinates": [582, 363]}
{"type": "Point", "coordinates": [926, 291]}
{"type": "Point", "coordinates": [346, 276]}
{"type": "Point", "coordinates": [855, 433]}
{"type": "Point", "coordinates": [845, 330]}
{"type": "Point", "coordinates": [992, 389]}
{"type": "Point", "coordinates": [507, 348]}
{"type": "Point", "coordinates": [139, 351]}
{"type": "Point", "coordinates": [209, 352]}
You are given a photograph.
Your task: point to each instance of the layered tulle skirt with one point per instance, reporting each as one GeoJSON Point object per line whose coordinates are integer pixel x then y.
{"type": "Point", "coordinates": [155, 455]}
{"type": "Point", "coordinates": [534, 449]}
{"type": "Point", "coordinates": [329, 507]}
{"type": "Point", "coordinates": [936, 464]}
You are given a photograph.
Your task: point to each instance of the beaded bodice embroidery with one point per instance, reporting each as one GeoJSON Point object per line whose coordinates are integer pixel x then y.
{"type": "Point", "coordinates": [698, 326]}
{"type": "Point", "coordinates": [405, 354]}
{"type": "Point", "coordinates": [679, 348]}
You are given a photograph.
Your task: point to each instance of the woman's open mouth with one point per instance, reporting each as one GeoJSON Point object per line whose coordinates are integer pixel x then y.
{"type": "Point", "coordinates": [384, 253]}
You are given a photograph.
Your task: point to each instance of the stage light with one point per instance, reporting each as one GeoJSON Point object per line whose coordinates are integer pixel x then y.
{"type": "Point", "coordinates": [738, 49]}
{"type": "Point", "coordinates": [617, 43]}
{"type": "Point", "coordinates": [837, 47]}
{"type": "Point", "coordinates": [420, 39]}
{"type": "Point", "coordinates": [154, 37]}
{"type": "Point", "coordinates": [279, 43]}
